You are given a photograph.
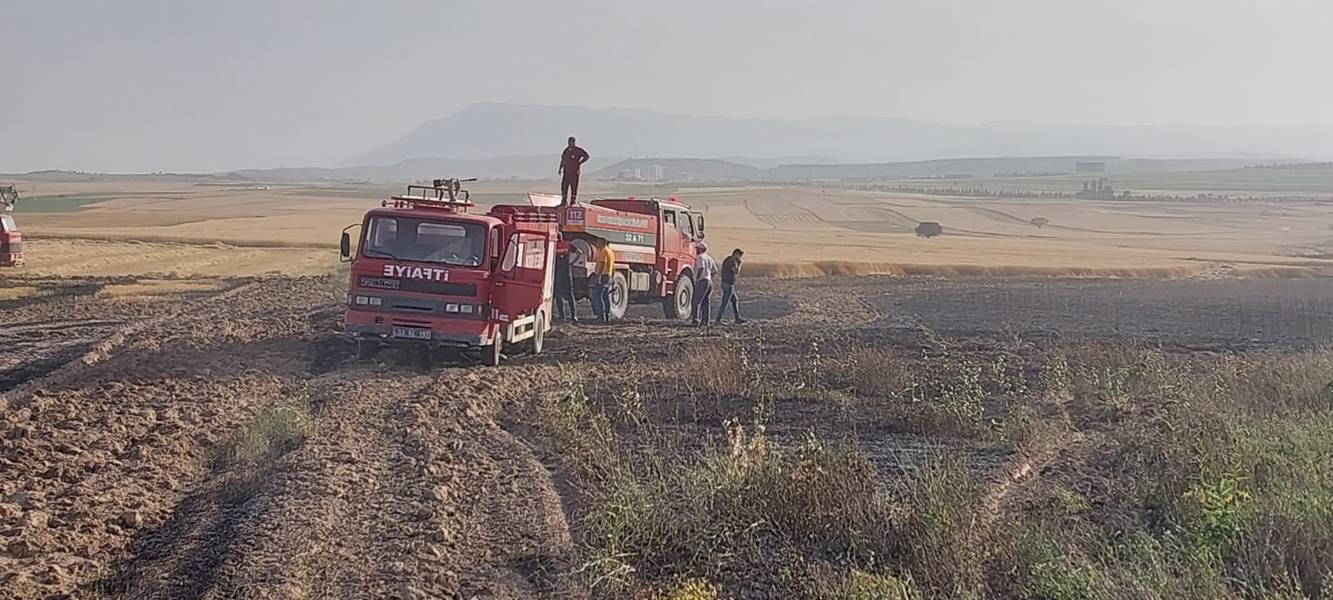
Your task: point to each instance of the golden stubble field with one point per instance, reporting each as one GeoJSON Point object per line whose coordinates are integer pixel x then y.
{"type": "Point", "coordinates": [179, 227]}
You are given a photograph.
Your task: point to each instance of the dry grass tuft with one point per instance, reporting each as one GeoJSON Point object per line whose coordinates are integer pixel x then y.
{"type": "Point", "coordinates": [275, 431]}
{"type": "Point", "coordinates": [719, 370]}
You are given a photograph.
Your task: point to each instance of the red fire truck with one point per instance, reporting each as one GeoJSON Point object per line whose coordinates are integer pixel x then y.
{"type": "Point", "coordinates": [11, 241]}
{"type": "Point", "coordinates": [654, 245]}
{"type": "Point", "coordinates": [428, 274]}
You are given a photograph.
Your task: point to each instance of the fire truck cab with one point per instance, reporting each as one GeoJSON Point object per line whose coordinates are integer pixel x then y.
{"type": "Point", "coordinates": [427, 274]}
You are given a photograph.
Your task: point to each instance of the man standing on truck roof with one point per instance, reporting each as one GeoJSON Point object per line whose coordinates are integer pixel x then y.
{"type": "Point", "coordinates": [705, 268]}
{"type": "Point", "coordinates": [564, 284]}
{"type": "Point", "coordinates": [570, 163]}
{"type": "Point", "coordinates": [731, 267]}
{"type": "Point", "coordinates": [601, 298]}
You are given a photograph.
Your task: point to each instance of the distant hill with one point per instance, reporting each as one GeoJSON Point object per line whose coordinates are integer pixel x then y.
{"type": "Point", "coordinates": [948, 167]}
{"type": "Point", "coordinates": [529, 167]}
{"type": "Point", "coordinates": [1001, 167]}
{"type": "Point", "coordinates": [488, 130]}
{"type": "Point", "coordinates": [705, 169]}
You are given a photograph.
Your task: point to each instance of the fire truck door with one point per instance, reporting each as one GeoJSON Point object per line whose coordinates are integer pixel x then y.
{"type": "Point", "coordinates": [525, 279]}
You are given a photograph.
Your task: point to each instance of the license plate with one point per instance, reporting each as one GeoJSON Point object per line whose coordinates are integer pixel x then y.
{"type": "Point", "coordinates": [410, 333]}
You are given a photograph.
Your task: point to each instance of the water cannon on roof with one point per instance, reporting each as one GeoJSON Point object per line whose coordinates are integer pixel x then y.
{"type": "Point", "coordinates": [445, 193]}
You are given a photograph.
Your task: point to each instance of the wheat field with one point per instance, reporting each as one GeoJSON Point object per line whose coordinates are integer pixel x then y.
{"type": "Point", "coordinates": [182, 227]}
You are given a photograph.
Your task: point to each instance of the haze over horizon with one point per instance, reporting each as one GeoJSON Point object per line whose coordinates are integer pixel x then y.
{"type": "Point", "coordinates": [149, 85]}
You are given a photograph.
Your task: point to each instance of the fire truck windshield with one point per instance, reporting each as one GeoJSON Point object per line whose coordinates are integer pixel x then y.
{"type": "Point", "coordinates": [450, 242]}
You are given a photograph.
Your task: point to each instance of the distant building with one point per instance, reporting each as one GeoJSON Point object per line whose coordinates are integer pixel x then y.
{"type": "Point", "coordinates": [1090, 167]}
{"type": "Point", "coordinates": [1098, 189]}
{"type": "Point", "coordinates": [638, 174]}
{"type": "Point", "coordinates": [659, 173]}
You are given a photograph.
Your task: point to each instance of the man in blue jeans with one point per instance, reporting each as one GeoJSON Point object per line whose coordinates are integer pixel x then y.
{"type": "Point", "coordinates": [731, 267]}
{"type": "Point", "coordinates": [705, 268]}
{"type": "Point", "coordinates": [606, 268]}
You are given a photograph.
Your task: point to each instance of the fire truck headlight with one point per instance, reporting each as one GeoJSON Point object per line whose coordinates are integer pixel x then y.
{"type": "Point", "coordinates": [362, 300]}
{"type": "Point", "coordinates": [466, 309]}
{"type": "Point", "coordinates": [451, 307]}
{"type": "Point", "coordinates": [369, 301]}
{"type": "Point", "coordinates": [376, 301]}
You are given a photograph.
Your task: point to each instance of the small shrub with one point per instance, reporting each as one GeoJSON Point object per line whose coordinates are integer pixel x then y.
{"type": "Point", "coordinates": [691, 589]}
{"type": "Point", "coordinates": [1216, 504]}
{"type": "Point", "coordinates": [666, 518]}
{"type": "Point", "coordinates": [961, 400]}
{"type": "Point", "coordinates": [1006, 376]}
{"type": "Point", "coordinates": [580, 432]}
{"type": "Point", "coordinates": [1049, 573]}
{"type": "Point", "coordinates": [941, 541]}
{"type": "Point", "coordinates": [876, 373]}
{"type": "Point", "coordinates": [1021, 427]}
{"type": "Point", "coordinates": [276, 430]}
{"type": "Point", "coordinates": [721, 371]}
{"type": "Point", "coordinates": [861, 585]}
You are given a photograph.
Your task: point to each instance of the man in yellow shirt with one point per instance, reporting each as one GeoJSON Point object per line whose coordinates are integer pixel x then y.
{"type": "Point", "coordinates": [601, 297]}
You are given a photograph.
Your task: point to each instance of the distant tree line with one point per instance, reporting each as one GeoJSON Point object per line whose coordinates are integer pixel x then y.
{"type": "Point", "coordinates": [985, 192]}
{"type": "Point", "coordinates": [1304, 165]}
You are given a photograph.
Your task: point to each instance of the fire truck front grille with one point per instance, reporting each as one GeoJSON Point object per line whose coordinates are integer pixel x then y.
{"type": "Point", "coordinates": [413, 285]}
{"type": "Point", "coordinates": [415, 307]}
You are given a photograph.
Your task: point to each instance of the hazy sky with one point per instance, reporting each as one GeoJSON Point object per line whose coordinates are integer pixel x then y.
{"type": "Point", "coordinates": [134, 85]}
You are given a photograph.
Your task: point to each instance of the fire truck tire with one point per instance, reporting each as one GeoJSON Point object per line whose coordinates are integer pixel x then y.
{"type": "Point", "coordinates": [677, 305]}
{"type": "Point", "coordinates": [539, 334]}
{"type": "Point", "coordinates": [491, 355]}
{"type": "Point", "coordinates": [366, 349]}
{"type": "Point", "coordinates": [619, 295]}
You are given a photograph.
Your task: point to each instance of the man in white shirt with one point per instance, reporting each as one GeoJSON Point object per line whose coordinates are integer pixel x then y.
{"type": "Point", "coordinates": [705, 269]}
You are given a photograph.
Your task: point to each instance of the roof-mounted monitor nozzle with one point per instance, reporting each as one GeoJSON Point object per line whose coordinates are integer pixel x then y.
{"type": "Point", "coordinates": [444, 193]}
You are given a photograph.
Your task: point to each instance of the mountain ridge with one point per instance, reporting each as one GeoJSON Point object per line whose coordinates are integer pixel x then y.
{"type": "Point", "coordinates": [501, 129]}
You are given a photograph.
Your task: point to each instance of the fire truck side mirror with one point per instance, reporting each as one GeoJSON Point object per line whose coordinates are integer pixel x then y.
{"type": "Point", "coordinates": [345, 246]}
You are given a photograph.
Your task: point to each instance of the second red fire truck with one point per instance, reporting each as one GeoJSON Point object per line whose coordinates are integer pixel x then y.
{"type": "Point", "coordinates": [429, 274]}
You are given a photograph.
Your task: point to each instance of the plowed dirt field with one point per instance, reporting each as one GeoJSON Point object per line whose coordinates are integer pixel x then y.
{"type": "Point", "coordinates": [222, 441]}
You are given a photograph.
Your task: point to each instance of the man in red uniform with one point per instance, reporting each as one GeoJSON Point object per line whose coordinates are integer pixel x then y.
{"type": "Point", "coordinates": [570, 163]}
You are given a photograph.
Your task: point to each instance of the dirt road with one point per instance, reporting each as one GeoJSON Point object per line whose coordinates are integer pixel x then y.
{"type": "Point", "coordinates": [226, 444]}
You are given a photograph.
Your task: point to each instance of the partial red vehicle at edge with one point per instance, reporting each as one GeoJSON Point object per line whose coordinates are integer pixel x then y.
{"type": "Point", "coordinates": [11, 241]}
{"type": "Point", "coordinates": [427, 274]}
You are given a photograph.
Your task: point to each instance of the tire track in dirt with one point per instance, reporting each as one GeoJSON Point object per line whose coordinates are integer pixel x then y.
{"type": "Point", "coordinates": [407, 487]}
{"type": "Point", "coordinates": [18, 394]}
{"type": "Point", "coordinates": [95, 451]}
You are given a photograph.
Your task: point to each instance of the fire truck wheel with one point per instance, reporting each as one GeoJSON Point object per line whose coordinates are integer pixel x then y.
{"type": "Point", "coordinates": [677, 305]}
{"type": "Point", "coordinates": [539, 334]}
{"type": "Point", "coordinates": [490, 355]}
{"type": "Point", "coordinates": [619, 295]}
{"type": "Point", "coordinates": [366, 349]}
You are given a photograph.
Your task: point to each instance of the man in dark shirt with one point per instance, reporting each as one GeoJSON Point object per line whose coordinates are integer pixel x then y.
{"type": "Point", "coordinates": [564, 284]}
{"type": "Point", "coordinates": [731, 266]}
{"type": "Point", "coordinates": [570, 163]}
